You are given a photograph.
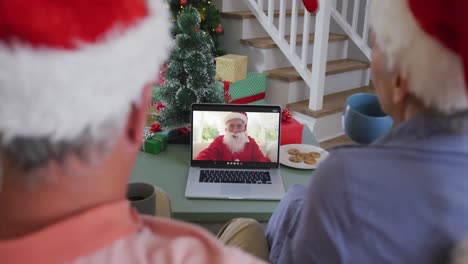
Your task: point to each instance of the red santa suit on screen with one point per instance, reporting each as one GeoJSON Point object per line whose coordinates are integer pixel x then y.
{"type": "Point", "coordinates": [235, 145]}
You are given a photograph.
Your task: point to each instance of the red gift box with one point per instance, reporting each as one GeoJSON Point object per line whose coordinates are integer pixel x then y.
{"type": "Point", "coordinates": [291, 132]}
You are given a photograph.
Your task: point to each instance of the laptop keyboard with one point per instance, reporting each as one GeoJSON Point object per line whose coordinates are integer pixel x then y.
{"type": "Point", "coordinates": [235, 176]}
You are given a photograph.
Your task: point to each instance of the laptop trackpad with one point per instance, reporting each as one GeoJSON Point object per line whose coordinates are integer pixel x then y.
{"type": "Point", "coordinates": [235, 190]}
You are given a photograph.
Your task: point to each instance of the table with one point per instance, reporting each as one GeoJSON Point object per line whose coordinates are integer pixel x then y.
{"type": "Point", "coordinates": [169, 169]}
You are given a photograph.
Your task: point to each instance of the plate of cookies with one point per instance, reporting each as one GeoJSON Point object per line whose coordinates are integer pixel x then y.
{"type": "Point", "coordinates": [302, 156]}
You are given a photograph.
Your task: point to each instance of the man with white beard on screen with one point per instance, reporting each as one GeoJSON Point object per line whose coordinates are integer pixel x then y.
{"type": "Point", "coordinates": [235, 145]}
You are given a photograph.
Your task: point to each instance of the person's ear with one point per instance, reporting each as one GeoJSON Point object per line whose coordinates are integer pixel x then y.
{"type": "Point", "coordinates": [399, 89]}
{"type": "Point", "coordinates": [137, 117]}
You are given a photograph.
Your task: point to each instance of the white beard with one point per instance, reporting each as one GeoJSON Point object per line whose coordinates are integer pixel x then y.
{"type": "Point", "coordinates": [235, 142]}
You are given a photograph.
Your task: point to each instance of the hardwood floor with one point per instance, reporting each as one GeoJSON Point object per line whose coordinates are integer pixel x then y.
{"type": "Point", "coordinates": [338, 141]}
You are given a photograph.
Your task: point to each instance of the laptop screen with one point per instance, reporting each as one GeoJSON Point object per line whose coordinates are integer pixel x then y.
{"type": "Point", "coordinates": [235, 136]}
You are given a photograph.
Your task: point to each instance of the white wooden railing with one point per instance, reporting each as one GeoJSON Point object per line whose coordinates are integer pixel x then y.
{"type": "Point", "coordinates": [358, 33]}
{"type": "Point", "coordinates": [315, 77]}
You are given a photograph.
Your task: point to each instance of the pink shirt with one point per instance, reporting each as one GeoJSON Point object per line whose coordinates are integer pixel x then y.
{"type": "Point", "coordinates": [115, 233]}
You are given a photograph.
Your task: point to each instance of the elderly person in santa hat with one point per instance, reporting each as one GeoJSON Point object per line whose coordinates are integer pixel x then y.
{"type": "Point", "coordinates": [235, 144]}
{"type": "Point", "coordinates": [72, 113]}
{"type": "Point", "coordinates": [402, 199]}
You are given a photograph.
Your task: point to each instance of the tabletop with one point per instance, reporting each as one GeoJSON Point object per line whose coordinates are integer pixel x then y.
{"type": "Point", "coordinates": [169, 169]}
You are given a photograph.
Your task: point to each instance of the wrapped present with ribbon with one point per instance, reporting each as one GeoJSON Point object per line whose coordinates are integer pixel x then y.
{"type": "Point", "coordinates": [291, 129]}
{"type": "Point", "coordinates": [231, 67]}
{"type": "Point", "coordinates": [251, 90]}
{"type": "Point", "coordinates": [153, 141]}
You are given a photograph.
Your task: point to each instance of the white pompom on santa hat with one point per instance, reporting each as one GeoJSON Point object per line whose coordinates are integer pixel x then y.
{"type": "Point", "coordinates": [68, 67]}
{"type": "Point", "coordinates": [236, 115]}
{"type": "Point", "coordinates": [429, 41]}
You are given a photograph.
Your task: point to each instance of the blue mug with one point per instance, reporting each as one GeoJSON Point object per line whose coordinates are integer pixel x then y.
{"type": "Point", "coordinates": [364, 120]}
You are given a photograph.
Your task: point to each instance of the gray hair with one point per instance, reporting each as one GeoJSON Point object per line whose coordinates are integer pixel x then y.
{"type": "Point", "coordinates": [29, 154]}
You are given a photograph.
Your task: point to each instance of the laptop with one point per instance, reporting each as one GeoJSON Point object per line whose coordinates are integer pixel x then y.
{"type": "Point", "coordinates": [230, 160]}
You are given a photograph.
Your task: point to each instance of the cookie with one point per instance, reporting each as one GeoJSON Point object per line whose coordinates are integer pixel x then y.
{"type": "Point", "coordinates": [302, 155]}
{"type": "Point", "coordinates": [293, 151]}
{"type": "Point", "coordinates": [310, 161]}
{"type": "Point", "coordinates": [295, 159]}
{"type": "Point", "coordinates": [314, 155]}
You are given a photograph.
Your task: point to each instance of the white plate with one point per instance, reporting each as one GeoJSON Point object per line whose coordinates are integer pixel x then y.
{"type": "Point", "coordinates": [284, 155]}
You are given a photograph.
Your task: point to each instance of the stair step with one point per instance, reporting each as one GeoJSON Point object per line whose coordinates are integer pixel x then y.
{"type": "Point", "coordinates": [268, 43]}
{"type": "Point", "coordinates": [332, 103]}
{"type": "Point", "coordinates": [335, 142]}
{"type": "Point", "coordinates": [290, 74]}
{"type": "Point", "coordinates": [249, 14]}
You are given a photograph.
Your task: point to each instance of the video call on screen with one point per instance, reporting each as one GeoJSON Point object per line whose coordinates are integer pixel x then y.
{"type": "Point", "coordinates": [263, 127]}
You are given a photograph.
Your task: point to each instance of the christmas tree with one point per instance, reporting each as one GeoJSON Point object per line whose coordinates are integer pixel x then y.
{"type": "Point", "coordinates": [210, 19]}
{"type": "Point", "coordinates": [189, 74]}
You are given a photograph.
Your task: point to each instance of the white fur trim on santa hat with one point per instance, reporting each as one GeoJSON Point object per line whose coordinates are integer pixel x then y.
{"type": "Point", "coordinates": [59, 94]}
{"type": "Point", "coordinates": [434, 73]}
{"type": "Point", "coordinates": [236, 115]}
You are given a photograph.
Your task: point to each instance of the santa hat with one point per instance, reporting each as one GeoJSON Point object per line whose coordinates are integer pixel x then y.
{"type": "Point", "coordinates": [236, 115]}
{"type": "Point", "coordinates": [429, 41]}
{"type": "Point", "coordinates": [68, 67]}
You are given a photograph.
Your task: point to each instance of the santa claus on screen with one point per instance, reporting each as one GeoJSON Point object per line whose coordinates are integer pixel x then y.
{"type": "Point", "coordinates": [235, 144]}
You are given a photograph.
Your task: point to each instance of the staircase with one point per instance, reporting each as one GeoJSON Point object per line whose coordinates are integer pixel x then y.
{"type": "Point", "coordinates": [283, 44]}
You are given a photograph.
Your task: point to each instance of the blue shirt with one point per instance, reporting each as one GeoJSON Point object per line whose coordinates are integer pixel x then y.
{"type": "Point", "coordinates": [402, 199]}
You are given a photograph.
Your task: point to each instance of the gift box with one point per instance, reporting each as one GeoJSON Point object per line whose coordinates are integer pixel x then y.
{"type": "Point", "coordinates": [291, 132]}
{"type": "Point", "coordinates": [251, 90]}
{"type": "Point", "coordinates": [155, 144]}
{"type": "Point", "coordinates": [231, 68]}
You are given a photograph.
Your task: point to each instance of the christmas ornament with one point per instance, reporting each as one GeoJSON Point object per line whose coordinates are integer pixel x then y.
{"type": "Point", "coordinates": [219, 29]}
{"type": "Point", "coordinates": [311, 5]}
{"type": "Point", "coordinates": [183, 2]}
{"type": "Point", "coordinates": [159, 106]}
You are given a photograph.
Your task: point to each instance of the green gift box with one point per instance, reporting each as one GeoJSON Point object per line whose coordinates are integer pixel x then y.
{"type": "Point", "coordinates": [251, 90]}
{"type": "Point", "coordinates": [155, 144]}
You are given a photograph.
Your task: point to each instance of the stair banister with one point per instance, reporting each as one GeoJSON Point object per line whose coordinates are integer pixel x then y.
{"type": "Point", "coordinates": [314, 78]}
{"type": "Point", "coordinates": [319, 61]}
{"type": "Point", "coordinates": [293, 32]}
{"type": "Point", "coordinates": [365, 33]}
{"type": "Point", "coordinates": [344, 9]}
{"type": "Point", "coordinates": [298, 61]}
{"type": "Point", "coordinates": [271, 12]}
{"type": "Point", "coordinates": [282, 19]}
{"type": "Point", "coordinates": [355, 14]}
{"type": "Point", "coordinates": [352, 29]}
